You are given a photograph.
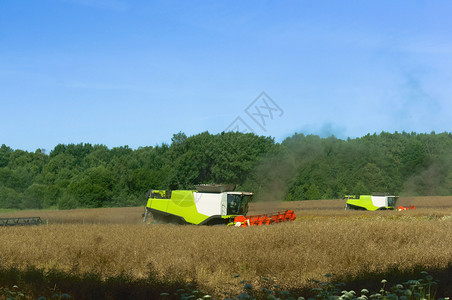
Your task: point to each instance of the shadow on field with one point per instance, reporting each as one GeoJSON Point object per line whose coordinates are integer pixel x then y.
{"type": "Point", "coordinates": [54, 284]}
{"type": "Point", "coordinates": [372, 281]}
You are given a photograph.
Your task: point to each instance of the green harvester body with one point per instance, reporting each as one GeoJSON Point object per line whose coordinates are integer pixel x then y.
{"type": "Point", "coordinates": [208, 206]}
{"type": "Point", "coordinates": [371, 202]}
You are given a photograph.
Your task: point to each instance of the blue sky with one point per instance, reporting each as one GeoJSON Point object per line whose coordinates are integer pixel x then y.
{"type": "Point", "coordinates": [136, 72]}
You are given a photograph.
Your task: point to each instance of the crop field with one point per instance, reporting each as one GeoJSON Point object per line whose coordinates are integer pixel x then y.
{"type": "Point", "coordinates": [357, 247]}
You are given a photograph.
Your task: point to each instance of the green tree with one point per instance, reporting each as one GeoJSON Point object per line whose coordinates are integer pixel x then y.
{"type": "Point", "coordinates": [34, 196]}
{"type": "Point", "coordinates": [5, 153]}
{"type": "Point", "coordinates": [93, 188]}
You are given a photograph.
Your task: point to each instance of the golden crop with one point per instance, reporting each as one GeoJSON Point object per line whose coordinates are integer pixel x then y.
{"type": "Point", "coordinates": [323, 239]}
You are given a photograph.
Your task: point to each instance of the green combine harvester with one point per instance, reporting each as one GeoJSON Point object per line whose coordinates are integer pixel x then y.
{"type": "Point", "coordinates": [371, 202]}
{"type": "Point", "coordinates": [207, 205]}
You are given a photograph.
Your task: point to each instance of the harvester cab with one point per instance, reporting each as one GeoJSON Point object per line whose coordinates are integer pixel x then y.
{"type": "Point", "coordinates": [370, 202]}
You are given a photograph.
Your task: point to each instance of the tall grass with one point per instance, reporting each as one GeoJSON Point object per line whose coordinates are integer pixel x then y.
{"type": "Point", "coordinates": [353, 246]}
{"type": "Point", "coordinates": [291, 255]}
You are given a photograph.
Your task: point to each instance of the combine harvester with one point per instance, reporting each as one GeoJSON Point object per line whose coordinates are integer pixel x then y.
{"type": "Point", "coordinates": [371, 202]}
{"type": "Point", "coordinates": [20, 221]}
{"type": "Point", "coordinates": [208, 205]}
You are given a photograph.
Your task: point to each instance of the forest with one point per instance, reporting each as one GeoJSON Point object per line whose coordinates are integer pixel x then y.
{"type": "Point", "coordinates": [302, 167]}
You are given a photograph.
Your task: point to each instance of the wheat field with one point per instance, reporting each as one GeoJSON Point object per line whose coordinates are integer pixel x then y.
{"type": "Point", "coordinates": [324, 239]}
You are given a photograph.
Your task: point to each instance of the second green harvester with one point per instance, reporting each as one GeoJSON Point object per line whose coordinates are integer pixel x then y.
{"type": "Point", "coordinates": [371, 202]}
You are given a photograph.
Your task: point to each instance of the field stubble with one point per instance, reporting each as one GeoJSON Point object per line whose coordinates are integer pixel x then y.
{"type": "Point", "coordinates": [323, 239]}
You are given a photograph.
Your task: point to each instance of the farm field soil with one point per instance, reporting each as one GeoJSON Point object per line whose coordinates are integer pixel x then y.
{"type": "Point", "coordinates": [351, 245]}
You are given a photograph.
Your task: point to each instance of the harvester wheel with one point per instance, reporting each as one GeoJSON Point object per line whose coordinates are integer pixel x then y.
{"type": "Point", "coordinates": [147, 213]}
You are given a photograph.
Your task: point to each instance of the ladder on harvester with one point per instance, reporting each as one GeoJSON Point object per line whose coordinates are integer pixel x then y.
{"type": "Point", "coordinates": [20, 221]}
{"type": "Point", "coordinates": [264, 219]}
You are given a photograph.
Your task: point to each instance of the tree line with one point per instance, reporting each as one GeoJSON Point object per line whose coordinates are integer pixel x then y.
{"type": "Point", "coordinates": [301, 167]}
